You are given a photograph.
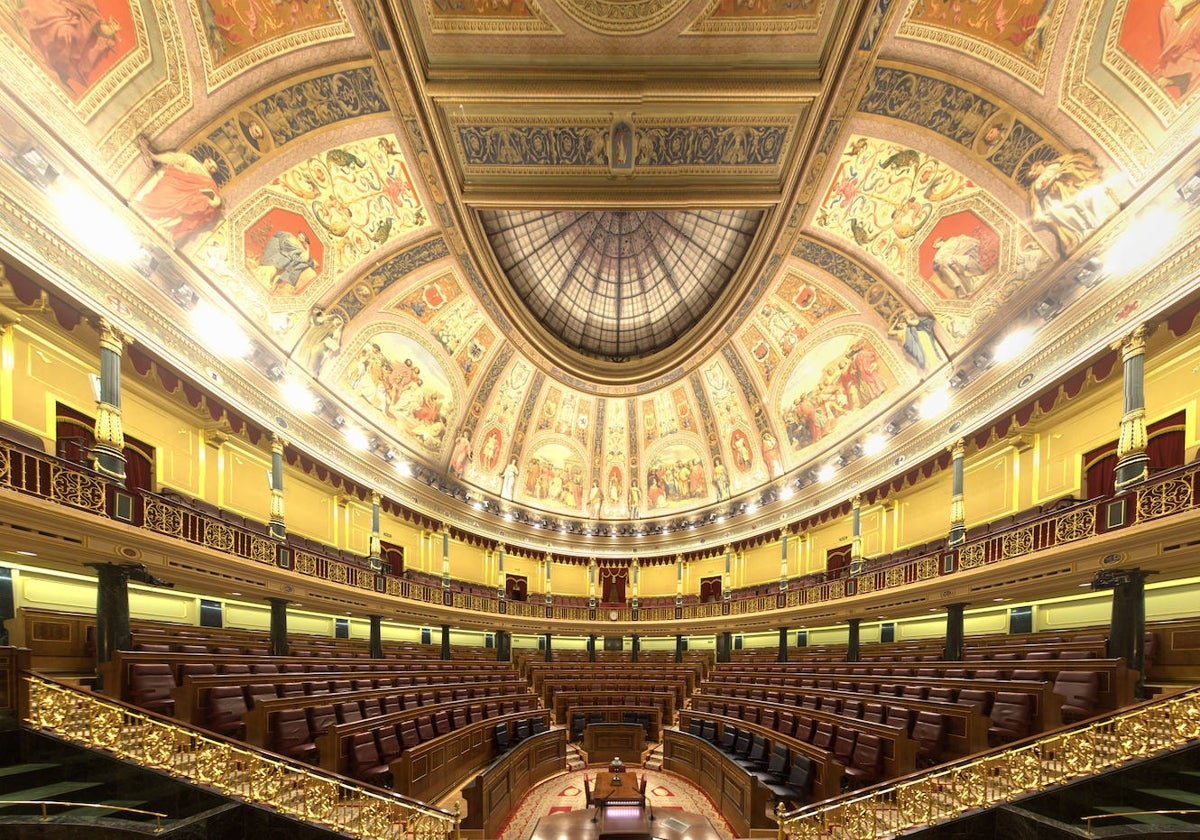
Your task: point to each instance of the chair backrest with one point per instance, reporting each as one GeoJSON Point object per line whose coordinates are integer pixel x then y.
{"type": "Point", "coordinates": [977, 697]}
{"type": "Point", "coordinates": [758, 748]}
{"type": "Point", "coordinates": [729, 738]}
{"type": "Point", "coordinates": [348, 711]}
{"type": "Point", "coordinates": [873, 712]}
{"type": "Point", "coordinates": [501, 736]}
{"type": "Point", "coordinates": [408, 734]}
{"type": "Point", "coordinates": [929, 731]}
{"type": "Point", "coordinates": [387, 743]}
{"type": "Point", "coordinates": [779, 759]}
{"type": "Point", "coordinates": [320, 718]}
{"type": "Point", "coordinates": [824, 735]}
{"type": "Point", "coordinates": [867, 758]}
{"type": "Point", "coordinates": [364, 754]}
{"type": "Point", "coordinates": [709, 731]}
{"type": "Point", "coordinates": [291, 728]}
{"type": "Point", "coordinates": [843, 744]}
{"type": "Point", "coordinates": [899, 716]}
{"type": "Point", "coordinates": [1012, 715]}
{"type": "Point", "coordinates": [801, 774]}
{"type": "Point", "coordinates": [425, 728]}
{"type": "Point", "coordinates": [741, 746]}
{"type": "Point", "coordinates": [804, 728]}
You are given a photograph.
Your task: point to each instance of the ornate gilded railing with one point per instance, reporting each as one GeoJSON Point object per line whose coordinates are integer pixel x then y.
{"type": "Point", "coordinates": [300, 792]}
{"type": "Point", "coordinates": [46, 804]}
{"type": "Point", "coordinates": [54, 479]}
{"type": "Point", "coordinates": [67, 483]}
{"type": "Point", "coordinates": [953, 790]}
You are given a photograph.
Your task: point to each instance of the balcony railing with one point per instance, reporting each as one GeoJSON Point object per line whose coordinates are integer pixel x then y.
{"type": "Point", "coordinates": [63, 482]}
{"type": "Point", "coordinates": [949, 791]}
{"type": "Point", "coordinates": [298, 791]}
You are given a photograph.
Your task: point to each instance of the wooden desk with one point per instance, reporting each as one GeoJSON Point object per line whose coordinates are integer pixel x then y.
{"type": "Point", "coordinates": [604, 741]}
{"type": "Point", "coordinates": [617, 789]}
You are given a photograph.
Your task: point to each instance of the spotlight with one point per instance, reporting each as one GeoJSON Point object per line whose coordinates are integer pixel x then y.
{"type": "Point", "coordinates": [1091, 273]}
{"type": "Point", "coordinates": [1189, 190]}
{"type": "Point", "coordinates": [389, 455]}
{"type": "Point", "coordinates": [1047, 308]}
{"type": "Point", "coordinates": [959, 379]}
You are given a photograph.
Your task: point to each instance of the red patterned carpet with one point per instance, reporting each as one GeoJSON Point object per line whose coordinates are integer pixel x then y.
{"type": "Point", "coordinates": [666, 793]}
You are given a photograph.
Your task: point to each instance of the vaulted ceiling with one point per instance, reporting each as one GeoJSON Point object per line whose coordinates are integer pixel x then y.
{"type": "Point", "coordinates": [725, 261]}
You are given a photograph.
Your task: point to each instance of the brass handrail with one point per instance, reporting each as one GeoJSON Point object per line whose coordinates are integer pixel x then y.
{"type": "Point", "coordinates": [1035, 765]}
{"type": "Point", "coordinates": [1162, 813]}
{"type": "Point", "coordinates": [305, 793]}
{"type": "Point", "coordinates": [158, 818]}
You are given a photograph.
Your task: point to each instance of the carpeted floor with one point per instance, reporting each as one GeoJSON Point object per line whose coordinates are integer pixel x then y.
{"type": "Point", "coordinates": [565, 793]}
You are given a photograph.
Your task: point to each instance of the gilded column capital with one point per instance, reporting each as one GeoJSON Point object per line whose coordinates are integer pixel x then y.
{"type": "Point", "coordinates": [856, 501]}
{"type": "Point", "coordinates": [277, 443]}
{"type": "Point", "coordinates": [112, 337]}
{"type": "Point", "coordinates": [1133, 344]}
{"type": "Point", "coordinates": [957, 449]}
{"type": "Point", "coordinates": [376, 498]}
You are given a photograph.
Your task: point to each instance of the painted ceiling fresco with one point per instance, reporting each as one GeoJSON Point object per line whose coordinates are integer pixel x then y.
{"type": "Point", "coordinates": [341, 191]}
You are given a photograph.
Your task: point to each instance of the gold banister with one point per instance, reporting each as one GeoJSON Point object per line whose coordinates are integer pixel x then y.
{"type": "Point", "coordinates": [1161, 813]}
{"type": "Point", "coordinates": [945, 792]}
{"type": "Point", "coordinates": [230, 768]}
{"type": "Point", "coordinates": [58, 803]}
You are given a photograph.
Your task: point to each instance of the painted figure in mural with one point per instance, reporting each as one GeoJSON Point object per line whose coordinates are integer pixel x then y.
{"type": "Point", "coordinates": [915, 334]}
{"type": "Point", "coordinates": [508, 480]}
{"type": "Point", "coordinates": [323, 340]}
{"type": "Point", "coordinates": [595, 500]}
{"type": "Point", "coordinates": [635, 499]}
{"type": "Point", "coordinates": [489, 453]}
{"type": "Point", "coordinates": [1179, 60]}
{"type": "Point", "coordinates": [654, 492]}
{"type": "Point", "coordinates": [286, 260]}
{"type": "Point", "coordinates": [956, 263]}
{"type": "Point", "coordinates": [460, 455]}
{"type": "Point", "coordinates": [71, 35]}
{"type": "Point", "coordinates": [181, 196]}
{"type": "Point", "coordinates": [1068, 197]}
{"type": "Point", "coordinates": [741, 450]}
{"type": "Point", "coordinates": [770, 454]}
{"type": "Point", "coordinates": [720, 479]}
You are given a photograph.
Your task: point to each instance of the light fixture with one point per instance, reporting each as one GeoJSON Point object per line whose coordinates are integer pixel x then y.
{"type": "Point", "coordinates": [218, 331]}
{"type": "Point", "coordinates": [826, 472]}
{"type": "Point", "coordinates": [92, 224]}
{"type": "Point", "coordinates": [1013, 345]}
{"type": "Point", "coordinates": [873, 444]}
{"type": "Point", "coordinates": [1091, 273]}
{"type": "Point", "coordinates": [297, 396]}
{"type": "Point", "coordinates": [1143, 241]}
{"type": "Point", "coordinates": [357, 438]}
{"type": "Point", "coordinates": [934, 404]}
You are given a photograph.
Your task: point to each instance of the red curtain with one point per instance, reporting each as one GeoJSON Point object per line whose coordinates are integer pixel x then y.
{"type": "Point", "coordinates": [612, 585]}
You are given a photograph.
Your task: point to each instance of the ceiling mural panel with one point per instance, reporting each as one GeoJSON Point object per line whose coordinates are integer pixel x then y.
{"type": "Point", "coordinates": [269, 121]}
{"type": "Point", "coordinates": [882, 197]}
{"type": "Point", "coordinates": [503, 18]}
{"type": "Point", "coordinates": [1129, 83]}
{"type": "Point", "coordinates": [832, 387]}
{"type": "Point", "coordinates": [622, 17]}
{"type": "Point", "coordinates": [402, 386]}
{"type": "Point", "coordinates": [235, 35]}
{"type": "Point", "coordinates": [100, 72]}
{"type": "Point", "coordinates": [1017, 36]}
{"type": "Point", "coordinates": [728, 17]}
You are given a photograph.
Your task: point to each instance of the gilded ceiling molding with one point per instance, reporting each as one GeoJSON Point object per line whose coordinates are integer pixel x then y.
{"type": "Point", "coordinates": [1021, 43]}
{"type": "Point", "coordinates": [622, 17]}
{"type": "Point", "coordinates": [766, 17]}
{"type": "Point", "coordinates": [231, 44]}
{"type": "Point", "coordinates": [645, 144]}
{"type": "Point", "coordinates": [1121, 103]}
{"type": "Point", "coordinates": [524, 18]}
{"type": "Point", "coordinates": [392, 270]}
{"type": "Point", "coordinates": [877, 295]}
{"type": "Point", "coordinates": [257, 126]}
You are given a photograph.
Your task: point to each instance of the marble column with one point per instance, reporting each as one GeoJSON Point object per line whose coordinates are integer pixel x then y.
{"type": "Point", "coordinates": [1132, 461]}
{"type": "Point", "coordinates": [852, 646]}
{"type": "Point", "coordinates": [783, 644]}
{"type": "Point", "coordinates": [549, 648]}
{"type": "Point", "coordinates": [376, 546]}
{"type": "Point", "coordinates": [856, 558]}
{"type": "Point", "coordinates": [503, 646]}
{"type": "Point", "coordinates": [112, 609]}
{"type": "Point", "coordinates": [1127, 629]}
{"type": "Point", "coordinates": [954, 633]}
{"type": "Point", "coordinates": [279, 631]}
{"type": "Point", "coordinates": [376, 636]}
{"type": "Point", "coordinates": [635, 647]}
{"type": "Point", "coordinates": [278, 525]}
{"type": "Point", "coordinates": [446, 642]}
{"type": "Point", "coordinates": [958, 525]}
{"type": "Point", "coordinates": [678, 647]}
{"type": "Point", "coordinates": [591, 648]}
{"type": "Point", "coordinates": [109, 448]}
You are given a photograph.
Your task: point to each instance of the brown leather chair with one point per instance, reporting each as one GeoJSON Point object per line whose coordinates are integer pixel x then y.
{"type": "Point", "coordinates": [226, 706]}
{"type": "Point", "coordinates": [865, 766]}
{"type": "Point", "coordinates": [320, 718]}
{"type": "Point", "coordinates": [150, 686]}
{"type": "Point", "coordinates": [929, 731]}
{"type": "Point", "coordinates": [824, 735]}
{"type": "Point", "coordinates": [364, 761]}
{"type": "Point", "coordinates": [292, 737]}
{"type": "Point", "coordinates": [844, 744]}
{"type": "Point", "coordinates": [1012, 717]}
{"type": "Point", "coordinates": [1080, 691]}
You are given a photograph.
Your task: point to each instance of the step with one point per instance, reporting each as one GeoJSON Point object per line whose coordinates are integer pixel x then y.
{"type": "Point", "coordinates": [1164, 820]}
{"type": "Point", "coordinates": [46, 792]}
{"type": "Point", "coordinates": [1183, 797]}
{"type": "Point", "coordinates": [13, 770]}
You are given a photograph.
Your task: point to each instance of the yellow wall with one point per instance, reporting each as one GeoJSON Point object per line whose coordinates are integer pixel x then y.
{"type": "Point", "coordinates": [1038, 463]}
